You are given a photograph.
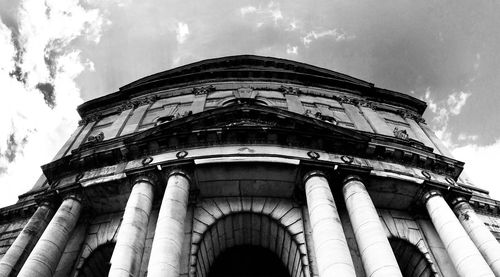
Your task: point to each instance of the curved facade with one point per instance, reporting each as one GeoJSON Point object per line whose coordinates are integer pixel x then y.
{"type": "Point", "coordinates": [252, 166]}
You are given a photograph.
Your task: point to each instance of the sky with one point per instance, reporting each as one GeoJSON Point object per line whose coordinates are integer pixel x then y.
{"type": "Point", "coordinates": [56, 54]}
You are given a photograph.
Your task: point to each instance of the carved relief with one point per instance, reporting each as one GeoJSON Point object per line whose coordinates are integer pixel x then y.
{"type": "Point", "coordinates": [203, 90]}
{"type": "Point", "coordinates": [411, 115]}
{"type": "Point", "coordinates": [290, 90]}
{"type": "Point", "coordinates": [402, 134]}
{"type": "Point", "coordinates": [90, 118]}
{"type": "Point", "coordinates": [97, 138]}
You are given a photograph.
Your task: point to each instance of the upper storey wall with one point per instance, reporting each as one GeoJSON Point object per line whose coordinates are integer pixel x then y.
{"type": "Point", "coordinates": [341, 108]}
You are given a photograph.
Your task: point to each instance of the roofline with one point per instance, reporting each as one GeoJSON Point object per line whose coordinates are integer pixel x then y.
{"type": "Point", "coordinates": [302, 73]}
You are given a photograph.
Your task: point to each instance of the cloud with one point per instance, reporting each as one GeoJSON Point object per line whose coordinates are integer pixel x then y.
{"type": "Point", "coordinates": [443, 110]}
{"type": "Point", "coordinates": [481, 165]}
{"type": "Point", "coordinates": [293, 50]}
{"type": "Point", "coordinates": [271, 11]}
{"type": "Point", "coordinates": [182, 32]}
{"type": "Point", "coordinates": [337, 34]}
{"type": "Point", "coordinates": [247, 10]}
{"type": "Point", "coordinates": [38, 67]}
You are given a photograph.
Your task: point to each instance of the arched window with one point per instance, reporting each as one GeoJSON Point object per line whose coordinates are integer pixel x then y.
{"type": "Point", "coordinates": [98, 263]}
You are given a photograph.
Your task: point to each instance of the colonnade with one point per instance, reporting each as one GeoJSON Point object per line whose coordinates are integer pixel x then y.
{"type": "Point", "coordinates": [472, 248]}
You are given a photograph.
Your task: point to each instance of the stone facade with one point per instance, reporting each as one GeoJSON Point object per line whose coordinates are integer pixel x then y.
{"type": "Point", "coordinates": [256, 164]}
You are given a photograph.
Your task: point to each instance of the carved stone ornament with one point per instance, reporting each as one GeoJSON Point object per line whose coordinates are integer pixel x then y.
{"type": "Point", "coordinates": [89, 118]}
{"type": "Point", "coordinates": [326, 118]}
{"type": "Point", "coordinates": [367, 104]}
{"type": "Point", "coordinates": [290, 90]}
{"type": "Point", "coordinates": [410, 115]}
{"type": "Point", "coordinates": [203, 90]}
{"type": "Point", "coordinates": [96, 138]}
{"type": "Point", "coordinates": [402, 134]}
{"type": "Point", "coordinates": [245, 92]}
{"type": "Point", "coordinates": [348, 100]}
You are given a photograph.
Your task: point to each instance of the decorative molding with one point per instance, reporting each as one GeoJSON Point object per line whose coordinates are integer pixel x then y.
{"type": "Point", "coordinates": [368, 104]}
{"type": "Point", "coordinates": [411, 115]}
{"type": "Point", "coordinates": [329, 119]}
{"type": "Point", "coordinates": [348, 100]}
{"type": "Point", "coordinates": [97, 138]}
{"type": "Point", "coordinates": [290, 90]}
{"type": "Point", "coordinates": [90, 118]}
{"type": "Point", "coordinates": [203, 90]}
{"type": "Point", "coordinates": [401, 133]}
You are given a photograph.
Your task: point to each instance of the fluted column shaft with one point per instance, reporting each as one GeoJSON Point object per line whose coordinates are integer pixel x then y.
{"type": "Point", "coordinates": [127, 255]}
{"type": "Point", "coordinates": [463, 253]}
{"type": "Point", "coordinates": [18, 252]}
{"type": "Point", "coordinates": [169, 234]}
{"type": "Point", "coordinates": [479, 233]}
{"type": "Point", "coordinates": [43, 260]}
{"type": "Point", "coordinates": [330, 245]}
{"type": "Point", "coordinates": [376, 252]}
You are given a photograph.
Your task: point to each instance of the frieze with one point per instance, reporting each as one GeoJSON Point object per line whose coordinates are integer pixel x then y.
{"type": "Point", "coordinates": [97, 138]}
{"type": "Point", "coordinates": [368, 104]}
{"type": "Point", "coordinates": [400, 133]}
{"type": "Point", "coordinates": [411, 115]}
{"type": "Point", "coordinates": [90, 118]}
{"type": "Point", "coordinates": [203, 90]}
{"type": "Point", "coordinates": [132, 104]}
{"type": "Point", "coordinates": [326, 118]}
{"type": "Point", "coordinates": [290, 90]}
{"type": "Point", "coordinates": [348, 100]}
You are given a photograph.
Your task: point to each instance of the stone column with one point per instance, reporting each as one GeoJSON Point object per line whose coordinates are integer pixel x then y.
{"type": "Point", "coordinates": [43, 260]}
{"type": "Point", "coordinates": [127, 255]}
{"type": "Point", "coordinates": [463, 253]}
{"type": "Point", "coordinates": [376, 252]}
{"type": "Point", "coordinates": [479, 233]}
{"type": "Point", "coordinates": [330, 245]}
{"type": "Point", "coordinates": [169, 234]}
{"type": "Point", "coordinates": [18, 252]}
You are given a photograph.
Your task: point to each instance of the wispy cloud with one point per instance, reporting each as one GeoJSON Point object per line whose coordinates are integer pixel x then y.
{"type": "Point", "coordinates": [293, 50]}
{"type": "Point", "coordinates": [337, 34]}
{"type": "Point", "coordinates": [271, 11]}
{"type": "Point", "coordinates": [182, 32]}
{"type": "Point", "coordinates": [37, 80]}
{"type": "Point", "coordinates": [443, 110]}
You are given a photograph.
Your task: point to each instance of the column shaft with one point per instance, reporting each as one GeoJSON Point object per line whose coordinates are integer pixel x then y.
{"type": "Point", "coordinates": [43, 260]}
{"type": "Point", "coordinates": [463, 253]}
{"type": "Point", "coordinates": [18, 252]}
{"type": "Point", "coordinates": [479, 234]}
{"type": "Point", "coordinates": [127, 255]}
{"type": "Point", "coordinates": [169, 234]}
{"type": "Point", "coordinates": [330, 245]}
{"type": "Point", "coordinates": [376, 252]}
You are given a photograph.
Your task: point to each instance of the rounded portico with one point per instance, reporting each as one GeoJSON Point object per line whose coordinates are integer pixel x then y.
{"type": "Point", "coordinates": [231, 165]}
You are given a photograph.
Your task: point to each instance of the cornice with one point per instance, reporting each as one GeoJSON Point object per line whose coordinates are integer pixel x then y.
{"type": "Point", "coordinates": [253, 68]}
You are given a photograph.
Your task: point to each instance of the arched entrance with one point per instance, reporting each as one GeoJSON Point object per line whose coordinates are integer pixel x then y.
{"type": "Point", "coordinates": [97, 264]}
{"type": "Point", "coordinates": [411, 260]}
{"type": "Point", "coordinates": [248, 261]}
{"type": "Point", "coordinates": [232, 240]}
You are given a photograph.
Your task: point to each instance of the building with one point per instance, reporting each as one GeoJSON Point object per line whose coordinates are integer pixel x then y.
{"type": "Point", "coordinates": [252, 166]}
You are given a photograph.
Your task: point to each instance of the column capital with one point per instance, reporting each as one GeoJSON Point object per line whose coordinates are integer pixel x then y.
{"type": "Point", "coordinates": [73, 195]}
{"type": "Point", "coordinates": [458, 200]}
{"type": "Point", "coordinates": [180, 172]}
{"type": "Point", "coordinates": [313, 173]}
{"type": "Point", "coordinates": [350, 178]}
{"type": "Point", "coordinates": [148, 177]}
{"type": "Point", "coordinates": [429, 194]}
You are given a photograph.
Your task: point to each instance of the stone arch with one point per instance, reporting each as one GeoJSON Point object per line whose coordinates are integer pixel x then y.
{"type": "Point", "coordinates": [412, 262]}
{"type": "Point", "coordinates": [402, 226]}
{"type": "Point", "coordinates": [271, 223]}
{"type": "Point", "coordinates": [97, 264]}
{"type": "Point", "coordinates": [101, 231]}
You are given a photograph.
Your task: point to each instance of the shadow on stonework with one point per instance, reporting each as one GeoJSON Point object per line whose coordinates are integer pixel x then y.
{"type": "Point", "coordinates": [248, 261]}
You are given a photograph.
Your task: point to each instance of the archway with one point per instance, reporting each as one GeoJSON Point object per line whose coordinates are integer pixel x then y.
{"type": "Point", "coordinates": [243, 239]}
{"type": "Point", "coordinates": [248, 261]}
{"type": "Point", "coordinates": [97, 264]}
{"type": "Point", "coordinates": [411, 260]}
